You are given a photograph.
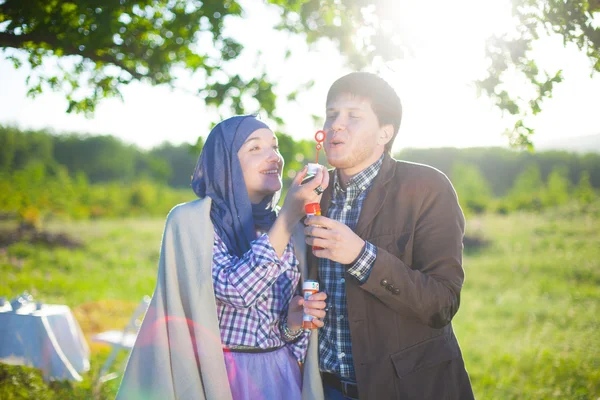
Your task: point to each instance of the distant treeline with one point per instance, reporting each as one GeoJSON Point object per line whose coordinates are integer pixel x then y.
{"type": "Point", "coordinates": [43, 175]}
{"type": "Point", "coordinates": [501, 167]}
{"type": "Point", "coordinates": [108, 159]}
{"type": "Point", "coordinates": [79, 176]}
{"type": "Point", "coordinates": [100, 158]}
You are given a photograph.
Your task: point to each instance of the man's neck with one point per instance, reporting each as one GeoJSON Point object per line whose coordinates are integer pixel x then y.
{"type": "Point", "coordinates": [346, 174]}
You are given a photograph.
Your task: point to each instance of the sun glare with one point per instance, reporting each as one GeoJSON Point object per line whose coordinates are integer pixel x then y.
{"type": "Point", "coordinates": [445, 44]}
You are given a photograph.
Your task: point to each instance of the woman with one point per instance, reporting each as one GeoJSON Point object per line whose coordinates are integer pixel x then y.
{"type": "Point", "coordinates": [222, 322]}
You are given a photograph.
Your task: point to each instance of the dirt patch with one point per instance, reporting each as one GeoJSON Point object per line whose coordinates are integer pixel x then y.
{"type": "Point", "coordinates": [99, 316]}
{"type": "Point", "coordinates": [34, 236]}
{"type": "Point", "coordinates": [475, 242]}
{"type": "Point", "coordinates": [6, 216]}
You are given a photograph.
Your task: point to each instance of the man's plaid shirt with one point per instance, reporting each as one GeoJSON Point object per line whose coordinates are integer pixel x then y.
{"type": "Point", "coordinates": [335, 346]}
{"type": "Point", "coordinates": [253, 293]}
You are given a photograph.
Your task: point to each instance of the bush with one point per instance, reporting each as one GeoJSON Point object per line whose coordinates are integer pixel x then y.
{"type": "Point", "coordinates": [37, 193]}
{"type": "Point", "coordinates": [527, 191]}
{"type": "Point", "coordinates": [474, 191]}
{"type": "Point", "coordinates": [18, 382]}
{"type": "Point", "coordinates": [557, 188]}
{"type": "Point", "coordinates": [584, 192]}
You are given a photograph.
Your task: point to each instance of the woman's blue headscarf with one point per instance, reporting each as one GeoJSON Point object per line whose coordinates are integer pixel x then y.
{"type": "Point", "coordinates": [219, 176]}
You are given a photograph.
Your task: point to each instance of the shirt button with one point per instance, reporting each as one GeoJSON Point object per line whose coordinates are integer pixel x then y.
{"type": "Point", "coordinates": [342, 280]}
{"type": "Point", "coordinates": [341, 355]}
{"type": "Point", "coordinates": [348, 207]}
{"type": "Point", "coordinates": [363, 187]}
{"type": "Point", "coordinates": [341, 317]}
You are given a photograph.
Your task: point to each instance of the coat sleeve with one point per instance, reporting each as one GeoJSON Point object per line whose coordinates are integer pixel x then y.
{"type": "Point", "coordinates": [430, 288]}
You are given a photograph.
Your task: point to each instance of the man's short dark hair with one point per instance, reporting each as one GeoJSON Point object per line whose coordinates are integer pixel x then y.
{"type": "Point", "coordinates": [384, 99]}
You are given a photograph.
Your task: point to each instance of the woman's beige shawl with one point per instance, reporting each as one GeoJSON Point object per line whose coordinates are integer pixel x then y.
{"type": "Point", "coordinates": [178, 353]}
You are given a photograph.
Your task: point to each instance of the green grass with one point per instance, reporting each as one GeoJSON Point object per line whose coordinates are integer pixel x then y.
{"type": "Point", "coordinates": [102, 282]}
{"type": "Point", "coordinates": [528, 323]}
{"type": "Point", "coordinates": [529, 319]}
{"type": "Point", "coordinates": [118, 261]}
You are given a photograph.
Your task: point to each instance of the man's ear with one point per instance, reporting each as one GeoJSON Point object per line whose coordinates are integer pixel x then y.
{"type": "Point", "coordinates": [385, 134]}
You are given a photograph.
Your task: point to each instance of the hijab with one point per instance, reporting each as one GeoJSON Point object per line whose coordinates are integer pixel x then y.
{"type": "Point", "coordinates": [219, 175]}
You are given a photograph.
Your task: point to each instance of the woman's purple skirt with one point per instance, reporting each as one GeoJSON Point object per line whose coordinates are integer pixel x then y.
{"type": "Point", "coordinates": [268, 376]}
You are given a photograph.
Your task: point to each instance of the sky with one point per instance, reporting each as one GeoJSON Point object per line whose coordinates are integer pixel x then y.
{"type": "Point", "coordinates": [435, 84]}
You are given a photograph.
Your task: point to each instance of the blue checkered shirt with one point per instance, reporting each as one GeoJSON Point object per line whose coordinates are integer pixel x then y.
{"type": "Point", "coordinates": [253, 293]}
{"type": "Point", "coordinates": [335, 346]}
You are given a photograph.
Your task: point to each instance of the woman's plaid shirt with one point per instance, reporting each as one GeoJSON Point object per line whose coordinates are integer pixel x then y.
{"type": "Point", "coordinates": [253, 293]}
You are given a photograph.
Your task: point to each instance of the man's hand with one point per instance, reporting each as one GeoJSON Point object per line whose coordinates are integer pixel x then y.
{"type": "Point", "coordinates": [315, 307]}
{"type": "Point", "coordinates": [339, 243]}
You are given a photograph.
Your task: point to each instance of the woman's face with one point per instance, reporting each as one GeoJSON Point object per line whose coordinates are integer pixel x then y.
{"type": "Point", "coordinates": [262, 164]}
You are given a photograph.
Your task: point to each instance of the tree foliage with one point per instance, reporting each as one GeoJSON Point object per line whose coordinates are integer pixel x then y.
{"type": "Point", "coordinates": [111, 44]}
{"type": "Point", "coordinates": [102, 46]}
{"type": "Point", "coordinates": [575, 21]}
{"type": "Point", "coordinates": [107, 45]}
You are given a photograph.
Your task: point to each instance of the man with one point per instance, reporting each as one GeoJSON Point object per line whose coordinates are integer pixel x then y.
{"type": "Point", "coordinates": [391, 234]}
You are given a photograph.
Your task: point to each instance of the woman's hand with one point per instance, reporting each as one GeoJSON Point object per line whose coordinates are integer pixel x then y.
{"type": "Point", "coordinates": [299, 195]}
{"type": "Point", "coordinates": [293, 207]}
{"type": "Point", "coordinates": [315, 307]}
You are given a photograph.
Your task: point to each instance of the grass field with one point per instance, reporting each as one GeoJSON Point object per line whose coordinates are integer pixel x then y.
{"type": "Point", "coordinates": [529, 319]}
{"type": "Point", "coordinates": [528, 323]}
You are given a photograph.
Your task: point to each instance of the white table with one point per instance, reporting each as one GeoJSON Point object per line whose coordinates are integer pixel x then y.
{"type": "Point", "coordinates": [49, 339]}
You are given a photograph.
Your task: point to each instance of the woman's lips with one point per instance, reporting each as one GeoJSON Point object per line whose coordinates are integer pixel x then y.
{"type": "Point", "coordinates": [270, 172]}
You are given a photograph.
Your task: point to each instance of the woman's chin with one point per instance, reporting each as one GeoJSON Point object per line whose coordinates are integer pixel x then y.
{"type": "Point", "coordinates": [269, 191]}
{"type": "Point", "coordinates": [274, 189]}
{"type": "Point", "coordinates": [274, 186]}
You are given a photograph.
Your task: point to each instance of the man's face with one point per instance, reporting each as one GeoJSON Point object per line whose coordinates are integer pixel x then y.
{"type": "Point", "coordinates": [355, 140]}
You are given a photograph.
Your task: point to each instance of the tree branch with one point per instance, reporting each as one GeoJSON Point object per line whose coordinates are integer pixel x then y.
{"type": "Point", "coordinates": [18, 41]}
{"type": "Point", "coordinates": [8, 40]}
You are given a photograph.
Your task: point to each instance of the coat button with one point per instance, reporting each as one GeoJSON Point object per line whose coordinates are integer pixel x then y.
{"type": "Point", "coordinates": [396, 291]}
{"type": "Point", "coordinates": [384, 282]}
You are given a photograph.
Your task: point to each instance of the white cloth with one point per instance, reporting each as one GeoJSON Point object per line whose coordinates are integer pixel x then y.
{"type": "Point", "coordinates": [178, 352]}
{"type": "Point", "coordinates": [49, 339]}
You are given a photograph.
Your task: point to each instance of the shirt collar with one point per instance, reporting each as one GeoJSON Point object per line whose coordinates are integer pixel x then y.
{"type": "Point", "coordinates": [361, 181]}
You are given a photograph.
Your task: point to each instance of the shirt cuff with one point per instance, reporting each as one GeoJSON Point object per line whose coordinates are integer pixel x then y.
{"type": "Point", "coordinates": [300, 346]}
{"type": "Point", "coordinates": [288, 259]}
{"type": "Point", "coordinates": [361, 268]}
{"type": "Point", "coordinates": [264, 254]}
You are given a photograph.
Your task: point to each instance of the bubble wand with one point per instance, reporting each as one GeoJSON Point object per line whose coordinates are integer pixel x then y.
{"type": "Point", "coordinates": [314, 167]}
{"type": "Point", "coordinates": [320, 138]}
{"type": "Point", "coordinates": [314, 209]}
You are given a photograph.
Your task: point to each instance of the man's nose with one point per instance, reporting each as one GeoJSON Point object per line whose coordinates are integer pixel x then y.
{"type": "Point", "coordinates": [338, 124]}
